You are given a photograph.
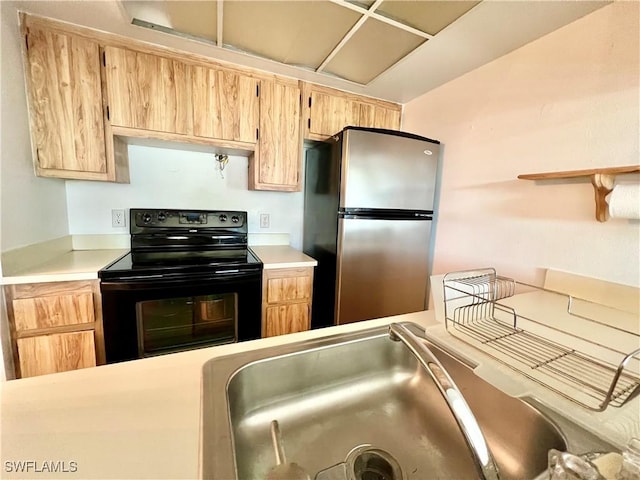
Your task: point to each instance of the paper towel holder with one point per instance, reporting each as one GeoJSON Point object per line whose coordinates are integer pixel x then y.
{"type": "Point", "coordinates": [602, 180]}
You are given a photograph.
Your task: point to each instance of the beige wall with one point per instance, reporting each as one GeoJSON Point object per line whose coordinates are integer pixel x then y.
{"type": "Point", "coordinates": [567, 101]}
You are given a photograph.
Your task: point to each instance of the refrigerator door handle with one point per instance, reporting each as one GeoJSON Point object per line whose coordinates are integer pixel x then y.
{"type": "Point", "coordinates": [384, 214]}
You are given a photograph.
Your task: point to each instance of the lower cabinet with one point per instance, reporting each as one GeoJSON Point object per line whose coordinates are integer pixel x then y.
{"type": "Point", "coordinates": [286, 300]}
{"type": "Point", "coordinates": [56, 352]}
{"type": "Point", "coordinates": [55, 326]}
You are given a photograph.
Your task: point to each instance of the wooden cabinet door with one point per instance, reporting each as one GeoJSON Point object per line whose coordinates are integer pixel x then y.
{"type": "Point", "coordinates": [378, 116]}
{"type": "Point", "coordinates": [328, 114]}
{"type": "Point", "coordinates": [277, 161]}
{"type": "Point", "coordinates": [285, 288]}
{"type": "Point", "coordinates": [225, 105]}
{"type": "Point", "coordinates": [286, 300]}
{"type": "Point", "coordinates": [148, 92]}
{"type": "Point", "coordinates": [65, 89]}
{"type": "Point", "coordinates": [53, 311]}
{"type": "Point", "coordinates": [56, 353]}
{"type": "Point", "coordinates": [55, 326]}
{"type": "Point", "coordinates": [290, 318]}
{"type": "Point", "coordinates": [327, 111]}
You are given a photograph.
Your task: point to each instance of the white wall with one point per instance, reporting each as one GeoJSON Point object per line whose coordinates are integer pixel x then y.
{"type": "Point", "coordinates": [33, 208]}
{"type": "Point", "coordinates": [570, 100]}
{"type": "Point", "coordinates": [168, 178]}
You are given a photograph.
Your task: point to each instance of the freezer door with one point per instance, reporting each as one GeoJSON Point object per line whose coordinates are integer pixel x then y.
{"type": "Point", "coordinates": [383, 268]}
{"type": "Point", "coordinates": [387, 171]}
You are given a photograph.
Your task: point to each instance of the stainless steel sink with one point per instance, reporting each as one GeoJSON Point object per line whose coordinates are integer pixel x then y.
{"type": "Point", "coordinates": [361, 402]}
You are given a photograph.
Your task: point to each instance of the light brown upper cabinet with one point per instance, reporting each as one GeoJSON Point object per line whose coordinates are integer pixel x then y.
{"type": "Point", "coordinates": [148, 92]}
{"type": "Point", "coordinates": [327, 111]}
{"type": "Point", "coordinates": [276, 163]}
{"type": "Point", "coordinates": [68, 124]}
{"type": "Point", "coordinates": [378, 116]}
{"type": "Point", "coordinates": [165, 95]}
{"type": "Point", "coordinates": [225, 104]}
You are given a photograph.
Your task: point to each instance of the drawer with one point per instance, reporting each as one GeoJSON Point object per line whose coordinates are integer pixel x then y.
{"type": "Point", "coordinates": [288, 285]}
{"type": "Point", "coordinates": [53, 311]}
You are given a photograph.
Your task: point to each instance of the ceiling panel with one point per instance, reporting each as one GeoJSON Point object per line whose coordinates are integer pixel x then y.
{"type": "Point", "coordinates": [197, 18]}
{"type": "Point", "coordinates": [375, 47]}
{"type": "Point", "coordinates": [428, 16]}
{"type": "Point", "coordinates": [362, 3]}
{"type": "Point", "coordinates": [321, 35]}
{"type": "Point", "coordinates": [295, 33]}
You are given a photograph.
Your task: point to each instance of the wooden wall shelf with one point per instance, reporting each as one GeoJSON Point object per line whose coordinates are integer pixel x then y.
{"type": "Point", "coordinates": [602, 180]}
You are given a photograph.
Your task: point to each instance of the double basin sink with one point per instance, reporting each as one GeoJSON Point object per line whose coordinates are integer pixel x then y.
{"type": "Point", "coordinates": [359, 406]}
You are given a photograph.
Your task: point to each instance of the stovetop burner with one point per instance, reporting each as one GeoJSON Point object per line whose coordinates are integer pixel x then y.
{"type": "Point", "coordinates": [178, 242]}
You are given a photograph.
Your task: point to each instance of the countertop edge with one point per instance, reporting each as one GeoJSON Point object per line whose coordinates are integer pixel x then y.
{"type": "Point", "coordinates": [282, 256]}
{"type": "Point", "coordinates": [68, 267]}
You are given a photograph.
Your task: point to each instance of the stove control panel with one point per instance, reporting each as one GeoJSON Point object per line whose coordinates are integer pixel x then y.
{"type": "Point", "coordinates": [145, 220]}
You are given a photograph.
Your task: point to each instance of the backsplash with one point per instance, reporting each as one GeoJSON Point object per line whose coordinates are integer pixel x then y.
{"type": "Point", "coordinates": [171, 178]}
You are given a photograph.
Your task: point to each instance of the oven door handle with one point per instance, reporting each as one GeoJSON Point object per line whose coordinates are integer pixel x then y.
{"type": "Point", "coordinates": [152, 282]}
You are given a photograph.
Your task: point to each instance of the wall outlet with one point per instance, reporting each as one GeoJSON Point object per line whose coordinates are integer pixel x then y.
{"type": "Point", "coordinates": [264, 220]}
{"type": "Point", "coordinates": [117, 218]}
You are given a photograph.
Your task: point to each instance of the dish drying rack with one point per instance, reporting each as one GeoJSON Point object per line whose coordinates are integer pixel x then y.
{"type": "Point", "coordinates": [586, 352]}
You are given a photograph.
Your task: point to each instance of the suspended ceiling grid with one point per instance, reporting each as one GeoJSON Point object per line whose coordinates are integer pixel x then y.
{"type": "Point", "coordinates": [354, 41]}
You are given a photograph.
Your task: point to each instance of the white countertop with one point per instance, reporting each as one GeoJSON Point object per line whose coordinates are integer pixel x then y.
{"type": "Point", "coordinates": [282, 256]}
{"type": "Point", "coordinates": [141, 419]}
{"type": "Point", "coordinates": [85, 264]}
{"type": "Point", "coordinates": [138, 419]}
{"type": "Point", "coordinates": [72, 265]}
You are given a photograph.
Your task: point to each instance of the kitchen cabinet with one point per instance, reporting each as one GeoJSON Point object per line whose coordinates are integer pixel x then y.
{"type": "Point", "coordinates": [70, 133]}
{"type": "Point", "coordinates": [165, 94]}
{"type": "Point", "coordinates": [327, 111]}
{"type": "Point", "coordinates": [54, 353]}
{"type": "Point", "coordinates": [55, 326]}
{"type": "Point", "coordinates": [277, 160]}
{"type": "Point", "coordinates": [148, 92]}
{"type": "Point", "coordinates": [92, 93]}
{"type": "Point", "coordinates": [286, 300]}
{"type": "Point", "coordinates": [156, 96]}
{"type": "Point", "coordinates": [225, 104]}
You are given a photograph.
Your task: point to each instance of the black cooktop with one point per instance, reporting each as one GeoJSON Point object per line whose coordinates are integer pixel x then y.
{"type": "Point", "coordinates": [173, 243]}
{"type": "Point", "coordinates": [179, 263]}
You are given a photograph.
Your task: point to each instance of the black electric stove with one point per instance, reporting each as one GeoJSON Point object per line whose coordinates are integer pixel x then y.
{"type": "Point", "coordinates": [190, 280]}
{"type": "Point", "coordinates": [171, 243]}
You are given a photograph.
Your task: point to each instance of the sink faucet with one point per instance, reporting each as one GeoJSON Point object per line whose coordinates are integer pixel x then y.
{"type": "Point", "coordinates": [455, 401]}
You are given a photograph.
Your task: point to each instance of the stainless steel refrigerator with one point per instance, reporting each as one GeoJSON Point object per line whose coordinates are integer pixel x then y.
{"type": "Point", "coordinates": [369, 206]}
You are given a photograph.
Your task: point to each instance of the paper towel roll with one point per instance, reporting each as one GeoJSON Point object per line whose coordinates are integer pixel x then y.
{"type": "Point", "coordinates": [624, 201]}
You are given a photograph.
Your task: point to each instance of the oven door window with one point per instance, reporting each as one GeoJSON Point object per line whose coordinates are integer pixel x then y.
{"type": "Point", "coordinates": [171, 325]}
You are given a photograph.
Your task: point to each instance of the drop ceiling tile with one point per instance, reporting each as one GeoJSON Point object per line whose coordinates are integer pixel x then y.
{"type": "Point", "coordinates": [375, 47]}
{"type": "Point", "coordinates": [362, 3]}
{"type": "Point", "coordinates": [425, 15]}
{"type": "Point", "coordinates": [295, 33]}
{"type": "Point", "coordinates": [197, 18]}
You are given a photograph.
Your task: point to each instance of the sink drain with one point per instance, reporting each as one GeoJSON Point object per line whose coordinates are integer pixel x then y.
{"type": "Point", "coordinates": [364, 463]}
{"type": "Point", "coordinates": [369, 463]}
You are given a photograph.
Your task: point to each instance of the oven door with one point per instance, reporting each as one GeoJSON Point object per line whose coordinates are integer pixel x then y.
{"type": "Point", "coordinates": [152, 316]}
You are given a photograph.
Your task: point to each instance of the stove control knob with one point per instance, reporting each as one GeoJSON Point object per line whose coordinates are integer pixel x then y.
{"type": "Point", "coordinates": [235, 219]}
{"type": "Point", "coordinates": [162, 217]}
{"type": "Point", "coordinates": [222, 218]}
{"type": "Point", "coordinates": [146, 217]}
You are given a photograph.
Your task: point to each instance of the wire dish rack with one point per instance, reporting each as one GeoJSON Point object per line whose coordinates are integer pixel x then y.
{"type": "Point", "coordinates": [586, 352]}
